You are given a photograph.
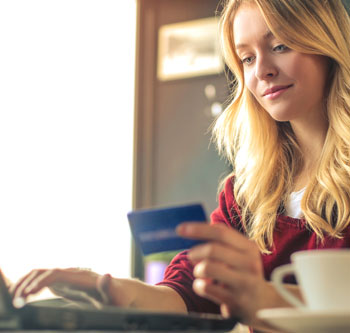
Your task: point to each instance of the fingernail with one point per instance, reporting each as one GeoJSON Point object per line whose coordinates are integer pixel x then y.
{"type": "Point", "coordinates": [181, 229]}
{"type": "Point", "coordinates": [18, 302]}
{"type": "Point", "coordinates": [199, 284]}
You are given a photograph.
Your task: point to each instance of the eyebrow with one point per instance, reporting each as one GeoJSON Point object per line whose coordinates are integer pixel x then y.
{"type": "Point", "coordinates": [268, 35]}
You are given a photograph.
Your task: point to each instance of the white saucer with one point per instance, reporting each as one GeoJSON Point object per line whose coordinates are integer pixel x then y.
{"type": "Point", "coordinates": [295, 320]}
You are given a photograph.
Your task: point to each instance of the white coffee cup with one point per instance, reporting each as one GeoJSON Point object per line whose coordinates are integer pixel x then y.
{"type": "Point", "coordinates": [323, 277]}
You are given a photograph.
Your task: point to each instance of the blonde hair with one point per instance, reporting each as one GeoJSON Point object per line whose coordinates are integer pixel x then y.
{"type": "Point", "coordinates": [264, 153]}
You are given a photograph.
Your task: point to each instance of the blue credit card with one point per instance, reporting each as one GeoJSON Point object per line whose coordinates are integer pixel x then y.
{"type": "Point", "coordinates": [154, 229]}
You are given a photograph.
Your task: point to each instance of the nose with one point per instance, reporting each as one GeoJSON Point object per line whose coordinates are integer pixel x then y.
{"type": "Point", "coordinates": [265, 68]}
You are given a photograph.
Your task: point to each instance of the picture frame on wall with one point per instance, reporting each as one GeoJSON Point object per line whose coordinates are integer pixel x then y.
{"type": "Point", "coordinates": [189, 49]}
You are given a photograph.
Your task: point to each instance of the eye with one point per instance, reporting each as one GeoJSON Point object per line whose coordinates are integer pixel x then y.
{"type": "Point", "coordinates": [247, 60]}
{"type": "Point", "coordinates": [280, 48]}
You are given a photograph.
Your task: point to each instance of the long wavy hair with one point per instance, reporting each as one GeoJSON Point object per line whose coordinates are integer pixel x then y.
{"type": "Point", "coordinates": [264, 153]}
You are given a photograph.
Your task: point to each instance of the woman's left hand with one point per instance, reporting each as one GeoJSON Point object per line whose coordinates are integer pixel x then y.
{"type": "Point", "coordinates": [228, 269]}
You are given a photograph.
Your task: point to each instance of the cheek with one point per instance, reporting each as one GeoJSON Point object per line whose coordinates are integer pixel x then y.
{"type": "Point", "coordinates": [292, 66]}
{"type": "Point", "coordinates": [251, 82]}
{"type": "Point", "coordinates": [306, 68]}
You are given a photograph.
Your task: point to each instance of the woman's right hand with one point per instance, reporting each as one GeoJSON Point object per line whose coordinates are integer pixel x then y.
{"type": "Point", "coordinates": [119, 292]}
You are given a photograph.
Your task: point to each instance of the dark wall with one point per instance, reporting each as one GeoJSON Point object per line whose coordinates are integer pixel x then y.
{"type": "Point", "coordinates": [174, 161]}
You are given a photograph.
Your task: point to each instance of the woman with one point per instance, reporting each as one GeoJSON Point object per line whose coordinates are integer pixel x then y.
{"type": "Point", "coordinates": [286, 134]}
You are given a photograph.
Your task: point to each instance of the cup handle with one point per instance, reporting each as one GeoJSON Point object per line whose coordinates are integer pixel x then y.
{"type": "Point", "coordinates": [277, 279]}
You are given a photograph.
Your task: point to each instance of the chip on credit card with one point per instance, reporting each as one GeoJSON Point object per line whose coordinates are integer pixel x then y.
{"type": "Point", "coordinates": [154, 230]}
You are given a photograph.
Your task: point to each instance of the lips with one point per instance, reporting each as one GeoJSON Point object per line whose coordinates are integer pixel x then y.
{"type": "Point", "coordinates": [276, 89]}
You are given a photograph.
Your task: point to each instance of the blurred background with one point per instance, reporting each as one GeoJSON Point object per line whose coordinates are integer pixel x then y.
{"type": "Point", "coordinates": [67, 70]}
{"type": "Point", "coordinates": [105, 106]}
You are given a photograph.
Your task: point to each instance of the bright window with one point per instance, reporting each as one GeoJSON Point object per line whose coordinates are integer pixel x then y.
{"type": "Point", "coordinates": [66, 134]}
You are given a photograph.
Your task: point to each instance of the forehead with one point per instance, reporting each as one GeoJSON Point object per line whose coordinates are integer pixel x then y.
{"type": "Point", "coordinates": [249, 26]}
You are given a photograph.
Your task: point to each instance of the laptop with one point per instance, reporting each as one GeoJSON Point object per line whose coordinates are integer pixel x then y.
{"type": "Point", "coordinates": [62, 314]}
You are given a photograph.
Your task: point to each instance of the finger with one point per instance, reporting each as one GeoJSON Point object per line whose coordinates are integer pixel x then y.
{"type": "Point", "coordinates": [217, 232]}
{"type": "Point", "coordinates": [214, 292]}
{"type": "Point", "coordinates": [35, 281]}
{"type": "Point", "coordinates": [41, 281]}
{"type": "Point", "coordinates": [13, 288]}
{"type": "Point", "coordinates": [18, 287]}
{"type": "Point", "coordinates": [222, 253]}
{"type": "Point", "coordinates": [38, 279]}
{"type": "Point", "coordinates": [80, 279]}
{"type": "Point", "coordinates": [220, 272]}
{"type": "Point", "coordinates": [232, 310]}
{"type": "Point", "coordinates": [225, 310]}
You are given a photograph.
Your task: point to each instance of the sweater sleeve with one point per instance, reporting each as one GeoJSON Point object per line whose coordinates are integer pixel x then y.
{"type": "Point", "coordinates": [179, 273]}
{"type": "Point", "coordinates": [179, 276]}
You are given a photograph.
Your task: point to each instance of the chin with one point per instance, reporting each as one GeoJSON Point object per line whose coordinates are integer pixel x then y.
{"type": "Point", "coordinates": [282, 119]}
{"type": "Point", "coordinates": [281, 116]}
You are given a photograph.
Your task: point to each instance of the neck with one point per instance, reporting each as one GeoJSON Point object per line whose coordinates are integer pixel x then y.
{"type": "Point", "coordinates": [311, 136]}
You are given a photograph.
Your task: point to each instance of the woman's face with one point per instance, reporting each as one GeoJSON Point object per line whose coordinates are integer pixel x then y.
{"type": "Point", "coordinates": [288, 84]}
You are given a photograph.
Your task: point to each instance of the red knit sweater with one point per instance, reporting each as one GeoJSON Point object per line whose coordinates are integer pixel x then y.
{"type": "Point", "coordinates": [290, 235]}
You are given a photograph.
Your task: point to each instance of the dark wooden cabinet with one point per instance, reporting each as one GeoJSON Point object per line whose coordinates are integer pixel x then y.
{"type": "Point", "coordinates": [174, 160]}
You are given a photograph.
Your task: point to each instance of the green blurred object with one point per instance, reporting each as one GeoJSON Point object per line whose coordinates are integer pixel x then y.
{"type": "Point", "coordinates": [161, 256]}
